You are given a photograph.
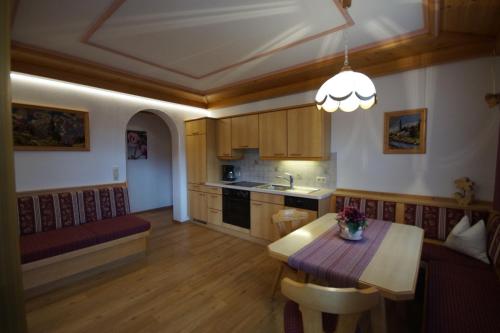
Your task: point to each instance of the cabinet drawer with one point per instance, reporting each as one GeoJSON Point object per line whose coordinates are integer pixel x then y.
{"type": "Point", "coordinates": [214, 216]}
{"type": "Point", "coordinates": [195, 187]}
{"type": "Point", "coordinates": [214, 201]}
{"type": "Point", "coordinates": [196, 127]}
{"type": "Point", "coordinates": [266, 197]}
{"type": "Point", "coordinates": [212, 189]}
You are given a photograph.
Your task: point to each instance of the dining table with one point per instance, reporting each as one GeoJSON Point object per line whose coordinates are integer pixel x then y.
{"type": "Point", "coordinates": [393, 268]}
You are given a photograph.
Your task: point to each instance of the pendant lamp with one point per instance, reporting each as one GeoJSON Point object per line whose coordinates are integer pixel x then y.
{"type": "Point", "coordinates": [347, 91]}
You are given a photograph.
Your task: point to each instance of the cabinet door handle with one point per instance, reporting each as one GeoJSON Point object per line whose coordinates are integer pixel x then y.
{"type": "Point", "coordinates": [244, 146]}
{"type": "Point", "coordinates": [295, 154]}
{"type": "Point", "coordinates": [195, 133]}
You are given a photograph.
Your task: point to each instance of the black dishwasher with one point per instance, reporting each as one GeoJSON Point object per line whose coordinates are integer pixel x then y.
{"type": "Point", "coordinates": [236, 207]}
{"type": "Point", "coordinates": [302, 203]}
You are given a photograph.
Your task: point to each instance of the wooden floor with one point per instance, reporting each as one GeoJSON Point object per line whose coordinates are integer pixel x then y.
{"type": "Point", "coordinates": [192, 280]}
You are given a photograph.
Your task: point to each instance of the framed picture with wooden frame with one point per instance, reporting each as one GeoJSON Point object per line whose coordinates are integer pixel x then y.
{"type": "Point", "coordinates": [405, 132]}
{"type": "Point", "coordinates": [47, 128]}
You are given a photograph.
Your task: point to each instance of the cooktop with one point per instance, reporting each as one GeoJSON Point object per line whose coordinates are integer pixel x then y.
{"type": "Point", "coordinates": [246, 184]}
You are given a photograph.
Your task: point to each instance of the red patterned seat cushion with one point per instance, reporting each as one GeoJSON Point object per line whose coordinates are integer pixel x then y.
{"type": "Point", "coordinates": [441, 253]}
{"type": "Point", "coordinates": [52, 243]}
{"type": "Point", "coordinates": [117, 227]}
{"type": "Point", "coordinates": [293, 319]}
{"type": "Point", "coordinates": [462, 299]}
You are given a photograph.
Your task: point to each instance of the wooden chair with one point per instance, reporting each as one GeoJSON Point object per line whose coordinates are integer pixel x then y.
{"type": "Point", "coordinates": [346, 306]}
{"type": "Point", "coordinates": [286, 221]}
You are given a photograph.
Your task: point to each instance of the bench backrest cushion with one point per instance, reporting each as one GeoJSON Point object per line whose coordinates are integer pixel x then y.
{"type": "Point", "coordinates": [49, 211]}
{"type": "Point", "coordinates": [493, 228]}
{"type": "Point", "coordinates": [438, 222]}
{"type": "Point", "coordinates": [373, 209]}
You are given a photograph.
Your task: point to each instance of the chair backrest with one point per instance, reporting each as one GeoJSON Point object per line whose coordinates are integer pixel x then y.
{"type": "Point", "coordinates": [347, 303]}
{"type": "Point", "coordinates": [286, 224]}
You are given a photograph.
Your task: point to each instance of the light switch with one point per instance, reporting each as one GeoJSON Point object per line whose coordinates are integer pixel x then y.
{"type": "Point", "coordinates": [116, 173]}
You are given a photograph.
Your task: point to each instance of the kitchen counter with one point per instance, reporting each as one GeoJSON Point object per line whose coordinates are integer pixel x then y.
{"type": "Point", "coordinates": [318, 195]}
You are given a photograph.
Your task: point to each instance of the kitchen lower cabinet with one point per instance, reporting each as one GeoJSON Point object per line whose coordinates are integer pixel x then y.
{"type": "Point", "coordinates": [198, 206]}
{"type": "Point", "coordinates": [261, 222]}
{"type": "Point", "coordinates": [214, 216]}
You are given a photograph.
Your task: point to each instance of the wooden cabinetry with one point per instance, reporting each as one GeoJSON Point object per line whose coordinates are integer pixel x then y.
{"type": "Point", "coordinates": [200, 151]}
{"type": "Point", "coordinates": [223, 140]}
{"type": "Point", "coordinates": [198, 208]}
{"type": "Point", "coordinates": [196, 127]}
{"type": "Point", "coordinates": [273, 134]}
{"type": "Point", "coordinates": [262, 208]}
{"type": "Point", "coordinates": [261, 222]}
{"type": "Point", "coordinates": [309, 132]}
{"type": "Point", "coordinates": [245, 132]}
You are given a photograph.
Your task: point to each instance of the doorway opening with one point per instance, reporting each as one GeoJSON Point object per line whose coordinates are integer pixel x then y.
{"type": "Point", "coordinates": [149, 162]}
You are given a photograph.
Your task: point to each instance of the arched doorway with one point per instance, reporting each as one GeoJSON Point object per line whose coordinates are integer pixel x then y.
{"type": "Point", "coordinates": [149, 162]}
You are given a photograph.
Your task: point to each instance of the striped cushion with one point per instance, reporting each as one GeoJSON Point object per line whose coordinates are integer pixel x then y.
{"type": "Point", "coordinates": [461, 299]}
{"type": "Point", "coordinates": [374, 209]}
{"type": "Point", "coordinates": [494, 239]}
{"type": "Point", "coordinates": [45, 212]}
{"type": "Point", "coordinates": [438, 222]}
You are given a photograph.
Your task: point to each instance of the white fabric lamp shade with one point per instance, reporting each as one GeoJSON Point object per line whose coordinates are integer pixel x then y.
{"type": "Point", "coordinates": [347, 91]}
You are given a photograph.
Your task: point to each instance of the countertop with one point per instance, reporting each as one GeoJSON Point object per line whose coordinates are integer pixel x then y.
{"type": "Point", "coordinates": [322, 193]}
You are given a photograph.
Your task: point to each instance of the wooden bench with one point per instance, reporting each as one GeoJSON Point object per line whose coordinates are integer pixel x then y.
{"type": "Point", "coordinates": [64, 232]}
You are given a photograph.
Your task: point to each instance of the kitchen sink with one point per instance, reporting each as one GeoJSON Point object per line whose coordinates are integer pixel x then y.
{"type": "Point", "coordinates": [284, 188]}
{"type": "Point", "coordinates": [274, 187]}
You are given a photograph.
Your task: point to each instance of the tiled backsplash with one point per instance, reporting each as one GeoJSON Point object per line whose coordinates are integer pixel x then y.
{"type": "Point", "coordinates": [305, 172]}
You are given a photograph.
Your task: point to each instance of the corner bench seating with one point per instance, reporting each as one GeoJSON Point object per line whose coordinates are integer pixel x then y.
{"type": "Point", "coordinates": [463, 294]}
{"type": "Point", "coordinates": [68, 231]}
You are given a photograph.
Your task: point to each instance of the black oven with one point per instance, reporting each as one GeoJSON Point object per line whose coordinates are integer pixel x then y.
{"type": "Point", "coordinates": [236, 207]}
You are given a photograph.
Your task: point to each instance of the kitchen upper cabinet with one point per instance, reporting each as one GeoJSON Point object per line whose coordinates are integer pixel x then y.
{"type": "Point", "coordinates": [245, 132]}
{"type": "Point", "coordinates": [309, 133]}
{"type": "Point", "coordinates": [273, 134]}
{"type": "Point", "coordinates": [261, 220]}
{"type": "Point", "coordinates": [196, 127]}
{"type": "Point", "coordinates": [201, 162]}
{"type": "Point", "coordinates": [223, 140]}
{"type": "Point", "coordinates": [196, 159]}
{"type": "Point", "coordinates": [198, 207]}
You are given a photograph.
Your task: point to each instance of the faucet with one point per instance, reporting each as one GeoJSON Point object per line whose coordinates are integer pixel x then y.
{"type": "Point", "coordinates": [289, 179]}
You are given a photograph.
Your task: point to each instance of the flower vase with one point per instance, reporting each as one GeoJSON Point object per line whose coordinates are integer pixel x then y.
{"type": "Point", "coordinates": [346, 233]}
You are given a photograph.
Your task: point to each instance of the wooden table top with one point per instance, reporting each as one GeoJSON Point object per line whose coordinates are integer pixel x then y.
{"type": "Point", "coordinates": [394, 267]}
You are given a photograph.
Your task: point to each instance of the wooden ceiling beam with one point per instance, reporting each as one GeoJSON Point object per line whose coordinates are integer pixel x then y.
{"type": "Point", "coordinates": [440, 56]}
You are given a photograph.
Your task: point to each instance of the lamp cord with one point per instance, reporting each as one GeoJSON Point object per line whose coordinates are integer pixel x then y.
{"type": "Point", "coordinates": [346, 53]}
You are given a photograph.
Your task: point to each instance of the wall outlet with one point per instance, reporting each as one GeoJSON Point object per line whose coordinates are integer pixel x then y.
{"type": "Point", "coordinates": [320, 180]}
{"type": "Point", "coordinates": [116, 173]}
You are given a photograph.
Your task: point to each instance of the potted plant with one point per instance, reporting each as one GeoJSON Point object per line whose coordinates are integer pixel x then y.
{"type": "Point", "coordinates": [352, 223]}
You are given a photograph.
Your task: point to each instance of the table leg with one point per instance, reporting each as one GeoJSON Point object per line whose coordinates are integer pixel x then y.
{"type": "Point", "coordinates": [378, 318]}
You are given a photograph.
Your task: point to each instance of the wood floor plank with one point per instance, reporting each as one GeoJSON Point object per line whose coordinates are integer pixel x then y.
{"type": "Point", "coordinates": [192, 280]}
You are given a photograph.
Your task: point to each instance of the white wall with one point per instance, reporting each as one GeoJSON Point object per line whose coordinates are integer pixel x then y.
{"type": "Point", "coordinates": [109, 114]}
{"type": "Point", "coordinates": [150, 181]}
{"type": "Point", "coordinates": [461, 137]}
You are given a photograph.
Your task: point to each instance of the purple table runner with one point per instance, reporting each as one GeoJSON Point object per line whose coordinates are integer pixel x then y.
{"type": "Point", "coordinates": [338, 261]}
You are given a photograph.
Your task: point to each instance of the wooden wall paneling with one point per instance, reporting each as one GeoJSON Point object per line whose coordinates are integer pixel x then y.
{"type": "Point", "coordinates": [12, 314]}
{"type": "Point", "coordinates": [471, 16]}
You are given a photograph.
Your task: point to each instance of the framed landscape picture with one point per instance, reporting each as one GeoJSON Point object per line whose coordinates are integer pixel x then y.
{"type": "Point", "coordinates": [405, 132]}
{"type": "Point", "coordinates": [137, 145]}
{"type": "Point", "coordinates": [48, 128]}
